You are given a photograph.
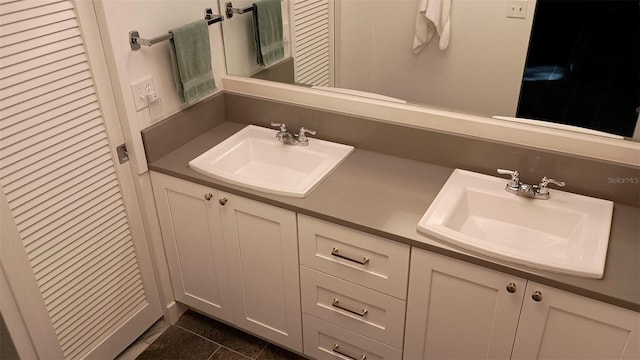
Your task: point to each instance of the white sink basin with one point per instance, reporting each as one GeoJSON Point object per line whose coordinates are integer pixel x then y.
{"type": "Point", "coordinates": [253, 158]}
{"type": "Point", "coordinates": [567, 233]}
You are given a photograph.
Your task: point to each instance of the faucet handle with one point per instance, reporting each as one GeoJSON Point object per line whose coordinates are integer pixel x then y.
{"type": "Point", "coordinates": [544, 183]}
{"type": "Point", "coordinates": [302, 135]}
{"type": "Point", "coordinates": [283, 126]}
{"type": "Point", "coordinates": [515, 177]}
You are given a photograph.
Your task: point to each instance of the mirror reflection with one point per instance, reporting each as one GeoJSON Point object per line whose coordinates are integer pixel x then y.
{"type": "Point", "coordinates": [569, 62]}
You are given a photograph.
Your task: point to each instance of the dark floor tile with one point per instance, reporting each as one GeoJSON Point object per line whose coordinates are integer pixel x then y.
{"type": "Point", "coordinates": [226, 354]}
{"type": "Point", "coordinates": [176, 343]}
{"type": "Point", "coordinates": [273, 352]}
{"type": "Point", "coordinates": [225, 335]}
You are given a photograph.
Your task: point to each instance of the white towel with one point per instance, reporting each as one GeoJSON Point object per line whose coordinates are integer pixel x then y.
{"type": "Point", "coordinates": [433, 16]}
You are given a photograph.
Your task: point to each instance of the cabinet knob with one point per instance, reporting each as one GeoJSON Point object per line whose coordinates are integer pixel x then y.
{"type": "Point", "coordinates": [511, 288]}
{"type": "Point", "coordinates": [537, 296]}
{"type": "Point", "coordinates": [208, 196]}
{"type": "Point", "coordinates": [223, 201]}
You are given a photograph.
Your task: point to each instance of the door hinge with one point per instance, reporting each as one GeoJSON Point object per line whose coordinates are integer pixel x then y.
{"type": "Point", "coordinates": [123, 155]}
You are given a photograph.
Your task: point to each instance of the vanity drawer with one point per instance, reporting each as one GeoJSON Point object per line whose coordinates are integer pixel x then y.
{"type": "Point", "coordinates": [361, 258]}
{"type": "Point", "coordinates": [356, 308]}
{"type": "Point", "coordinates": [323, 340]}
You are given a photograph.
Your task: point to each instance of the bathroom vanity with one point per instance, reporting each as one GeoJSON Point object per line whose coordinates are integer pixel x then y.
{"type": "Point", "coordinates": [232, 257]}
{"type": "Point", "coordinates": [335, 274]}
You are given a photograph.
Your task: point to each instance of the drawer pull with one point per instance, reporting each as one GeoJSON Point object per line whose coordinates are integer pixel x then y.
{"type": "Point", "coordinates": [364, 260]}
{"type": "Point", "coordinates": [336, 303]}
{"type": "Point", "coordinates": [336, 348]}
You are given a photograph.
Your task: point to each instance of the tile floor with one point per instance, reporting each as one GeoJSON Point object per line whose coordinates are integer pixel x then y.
{"type": "Point", "coordinates": [195, 336]}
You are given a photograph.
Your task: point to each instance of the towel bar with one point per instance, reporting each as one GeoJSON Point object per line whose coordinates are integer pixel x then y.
{"type": "Point", "coordinates": [135, 40]}
{"type": "Point", "coordinates": [230, 10]}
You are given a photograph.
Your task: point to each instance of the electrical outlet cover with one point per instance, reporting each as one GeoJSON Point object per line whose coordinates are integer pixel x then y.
{"type": "Point", "coordinates": [517, 9]}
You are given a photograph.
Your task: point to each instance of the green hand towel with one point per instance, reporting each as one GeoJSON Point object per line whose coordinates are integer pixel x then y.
{"type": "Point", "coordinates": [191, 61]}
{"type": "Point", "coordinates": [267, 17]}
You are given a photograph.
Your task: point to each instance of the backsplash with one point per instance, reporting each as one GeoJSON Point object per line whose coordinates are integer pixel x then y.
{"type": "Point", "coordinates": [618, 183]}
{"type": "Point", "coordinates": [165, 136]}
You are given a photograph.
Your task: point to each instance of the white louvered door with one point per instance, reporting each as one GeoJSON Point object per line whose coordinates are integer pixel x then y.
{"type": "Point", "coordinates": [90, 282]}
{"type": "Point", "coordinates": [312, 41]}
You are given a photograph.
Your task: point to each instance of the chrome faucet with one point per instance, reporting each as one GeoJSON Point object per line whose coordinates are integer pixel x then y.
{"type": "Point", "coordinates": [540, 191]}
{"type": "Point", "coordinates": [283, 133]}
{"type": "Point", "coordinates": [299, 139]}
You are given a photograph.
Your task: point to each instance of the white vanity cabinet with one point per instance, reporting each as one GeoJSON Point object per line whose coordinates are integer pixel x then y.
{"type": "Point", "coordinates": [555, 324]}
{"type": "Point", "coordinates": [457, 310]}
{"type": "Point", "coordinates": [233, 258]}
{"type": "Point", "coordinates": [262, 254]}
{"type": "Point", "coordinates": [353, 292]}
{"type": "Point", "coordinates": [460, 310]}
{"type": "Point", "coordinates": [189, 217]}
{"type": "Point", "coordinates": [236, 259]}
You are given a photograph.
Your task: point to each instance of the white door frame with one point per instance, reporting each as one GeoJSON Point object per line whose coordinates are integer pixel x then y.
{"type": "Point", "coordinates": [90, 14]}
{"type": "Point", "coordinates": [104, 90]}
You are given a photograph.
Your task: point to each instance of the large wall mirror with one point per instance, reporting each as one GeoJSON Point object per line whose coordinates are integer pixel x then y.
{"type": "Point", "coordinates": [569, 62]}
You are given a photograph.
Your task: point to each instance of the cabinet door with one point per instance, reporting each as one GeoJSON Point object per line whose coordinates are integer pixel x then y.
{"type": "Point", "coordinates": [190, 223]}
{"type": "Point", "coordinates": [561, 325]}
{"type": "Point", "coordinates": [457, 310]}
{"type": "Point", "coordinates": [262, 251]}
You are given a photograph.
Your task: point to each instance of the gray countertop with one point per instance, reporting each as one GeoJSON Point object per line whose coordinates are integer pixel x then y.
{"type": "Point", "coordinates": [386, 196]}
